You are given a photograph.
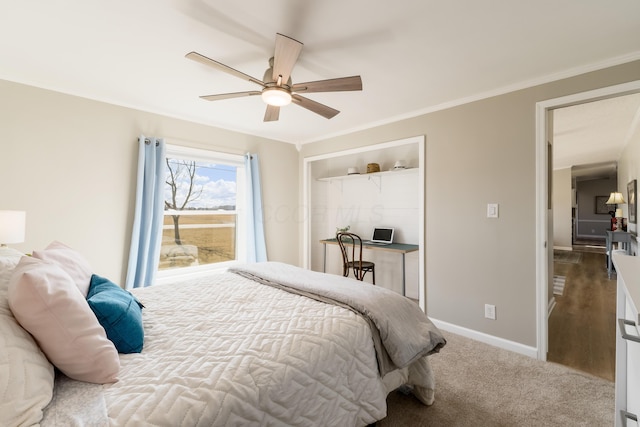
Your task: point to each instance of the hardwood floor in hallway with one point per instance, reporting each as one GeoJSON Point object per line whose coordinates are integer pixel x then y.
{"type": "Point", "coordinates": [582, 325]}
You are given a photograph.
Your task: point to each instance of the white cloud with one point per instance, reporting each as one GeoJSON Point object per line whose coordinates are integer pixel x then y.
{"type": "Point", "coordinates": [212, 193]}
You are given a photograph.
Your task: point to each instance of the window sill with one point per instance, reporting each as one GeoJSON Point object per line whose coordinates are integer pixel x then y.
{"type": "Point", "coordinates": [170, 276]}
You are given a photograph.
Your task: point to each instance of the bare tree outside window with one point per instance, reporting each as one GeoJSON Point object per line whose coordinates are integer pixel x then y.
{"type": "Point", "coordinates": [181, 176]}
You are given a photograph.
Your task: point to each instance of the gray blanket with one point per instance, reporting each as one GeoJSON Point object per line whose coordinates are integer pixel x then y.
{"type": "Point", "coordinates": [402, 333]}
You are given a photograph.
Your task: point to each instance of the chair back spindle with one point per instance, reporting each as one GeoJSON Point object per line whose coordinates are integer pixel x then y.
{"type": "Point", "coordinates": [351, 249]}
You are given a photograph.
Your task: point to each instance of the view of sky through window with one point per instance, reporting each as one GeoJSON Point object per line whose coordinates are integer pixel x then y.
{"type": "Point", "coordinates": [214, 185]}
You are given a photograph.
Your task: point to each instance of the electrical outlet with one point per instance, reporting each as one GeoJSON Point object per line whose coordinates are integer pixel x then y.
{"type": "Point", "coordinates": [490, 311]}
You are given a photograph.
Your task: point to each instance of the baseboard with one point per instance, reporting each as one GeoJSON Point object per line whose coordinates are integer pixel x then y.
{"type": "Point", "coordinates": [563, 248]}
{"type": "Point", "coordinates": [589, 237]}
{"type": "Point", "coordinates": [487, 339]}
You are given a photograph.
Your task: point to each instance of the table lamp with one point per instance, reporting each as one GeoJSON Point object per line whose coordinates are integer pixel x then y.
{"type": "Point", "coordinates": [616, 198]}
{"type": "Point", "coordinates": [12, 227]}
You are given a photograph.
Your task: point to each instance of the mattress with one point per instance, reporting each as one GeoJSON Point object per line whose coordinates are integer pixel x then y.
{"type": "Point", "coordinates": [224, 350]}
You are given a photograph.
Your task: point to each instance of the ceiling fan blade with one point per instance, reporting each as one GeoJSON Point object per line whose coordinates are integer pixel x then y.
{"type": "Point", "coordinates": [272, 114]}
{"type": "Point", "coordinates": [330, 85]}
{"type": "Point", "coordinates": [285, 57]}
{"type": "Point", "coordinates": [316, 107]}
{"type": "Point", "coordinates": [195, 56]}
{"type": "Point", "coordinates": [220, 96]}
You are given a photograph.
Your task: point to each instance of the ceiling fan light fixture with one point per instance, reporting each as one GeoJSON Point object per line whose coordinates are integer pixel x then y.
{"type": "Point", "coordinates": [276, 96]}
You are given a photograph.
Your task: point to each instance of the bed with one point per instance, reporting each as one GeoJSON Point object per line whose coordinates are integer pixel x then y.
{"type": "Point", "coordinates": [265, 344]}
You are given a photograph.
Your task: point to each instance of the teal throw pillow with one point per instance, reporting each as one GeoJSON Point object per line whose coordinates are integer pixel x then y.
{"type": "Point", "coordinates": [119, 313]}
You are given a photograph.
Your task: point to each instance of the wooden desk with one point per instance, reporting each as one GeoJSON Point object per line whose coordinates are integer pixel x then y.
{"type": "Point", "coordinates": [612, 237]}
{"type": "Point", "coordinates": [401, 248]}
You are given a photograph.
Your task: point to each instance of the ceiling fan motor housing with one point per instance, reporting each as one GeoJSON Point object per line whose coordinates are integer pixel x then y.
{"type": "Point", "coordinates": [268, 78]}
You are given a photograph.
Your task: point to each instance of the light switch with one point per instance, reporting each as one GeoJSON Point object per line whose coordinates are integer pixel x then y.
{"type": "Point", "coordinates": [492, 210]}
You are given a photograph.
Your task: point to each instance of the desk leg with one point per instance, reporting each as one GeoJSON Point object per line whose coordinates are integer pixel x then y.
{"type": "Point", "coordinates": [403, 276]}
{"type": "Point", "coordinates": [324, 259]}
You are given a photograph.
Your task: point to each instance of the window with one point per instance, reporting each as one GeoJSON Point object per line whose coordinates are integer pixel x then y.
{"type": "Point", "coordinates": [203, 222]}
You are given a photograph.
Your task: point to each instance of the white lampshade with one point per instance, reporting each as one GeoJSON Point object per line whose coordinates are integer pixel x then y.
{"type": "Point", "coordinates": [276, 96]}
{"type": "Point", "coordinates": [12, 226]}
{"type": "Point", "coordinates": [615, 198]}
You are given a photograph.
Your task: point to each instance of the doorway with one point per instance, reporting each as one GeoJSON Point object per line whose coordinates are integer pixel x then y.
{"type": "Point", "coordinates": [588, 139]}
{"type": "Point", "coordinates": [544, 211]}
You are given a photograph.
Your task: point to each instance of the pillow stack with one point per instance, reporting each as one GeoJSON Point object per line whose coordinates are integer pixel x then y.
{"type": "Point", "coordinates": [48, 295]}
{"type": "Point", "coordinates": [117, 311]}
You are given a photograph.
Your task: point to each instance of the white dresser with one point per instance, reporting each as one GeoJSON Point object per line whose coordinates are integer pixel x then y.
{"type": "Point", "coordinates": [627, 340]}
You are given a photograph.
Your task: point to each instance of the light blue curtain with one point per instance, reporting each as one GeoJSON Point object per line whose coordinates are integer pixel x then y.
{"type": "Point", "coordinates": [147, 222]}
{"type": "Point", "coordinates": [256, 246]}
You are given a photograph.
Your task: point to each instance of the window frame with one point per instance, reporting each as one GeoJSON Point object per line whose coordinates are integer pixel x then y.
{"type": "Point", "coordinates": [211, 156]}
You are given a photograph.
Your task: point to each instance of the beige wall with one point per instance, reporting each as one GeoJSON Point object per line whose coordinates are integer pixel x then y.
{"type": "Point", "coordinates": [70, 163]}
{"type": "Point", "coordinates": [562, 203]}
{"type": "Point", "coordinates": [629, 169]}
{"type": "Point", "coordinates": [478, 153]}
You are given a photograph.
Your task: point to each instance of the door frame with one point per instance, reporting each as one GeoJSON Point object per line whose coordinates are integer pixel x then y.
{"type": "Point", "coordinates": [543, 247]}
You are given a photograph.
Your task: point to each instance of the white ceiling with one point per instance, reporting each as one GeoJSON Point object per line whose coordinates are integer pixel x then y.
{"type": "Point", "coordinates": [594, 134]}
{"type": "Point", "coordinates": [414, 56]}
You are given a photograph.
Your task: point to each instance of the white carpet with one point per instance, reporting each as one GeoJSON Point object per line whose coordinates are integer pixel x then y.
{"type": "Point", "coordinates": [558, 285]}
{"type": "Point", "coordinates": [484, 386]}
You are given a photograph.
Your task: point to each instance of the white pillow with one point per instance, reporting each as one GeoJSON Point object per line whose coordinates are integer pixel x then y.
{"type": "Point", "coordinates": [71, 261]}
{"type": "Point", "coordinates": [9, 258]}
{"type": "Point", "coordinates": [47, 303]}
{"type": "Point", "coordinates": [26, 376]}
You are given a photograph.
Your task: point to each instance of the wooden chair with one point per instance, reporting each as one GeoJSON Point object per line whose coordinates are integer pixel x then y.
{"type": "Point", "coordinates": [350, 246]}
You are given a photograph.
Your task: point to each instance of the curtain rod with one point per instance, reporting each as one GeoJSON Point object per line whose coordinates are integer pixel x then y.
{"type": "Point", "coordinates": [148, 141]}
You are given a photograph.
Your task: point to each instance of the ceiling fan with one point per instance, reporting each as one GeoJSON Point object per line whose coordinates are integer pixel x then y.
{"type": "Point", "coordinates": [277, 87]}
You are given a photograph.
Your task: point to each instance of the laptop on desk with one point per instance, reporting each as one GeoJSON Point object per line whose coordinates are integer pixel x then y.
{"type": "Point", "coordinates": [381, 236]}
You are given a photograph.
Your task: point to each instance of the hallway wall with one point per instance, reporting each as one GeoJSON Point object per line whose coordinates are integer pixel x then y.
{"type": "Point", "coordinates": [562, 203]}
{"type": "Point", "coordinates": [591, 225]}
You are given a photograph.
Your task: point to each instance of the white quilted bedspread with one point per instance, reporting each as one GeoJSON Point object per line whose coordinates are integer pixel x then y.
{"type": "Point", "coordinates": [226, 351]}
